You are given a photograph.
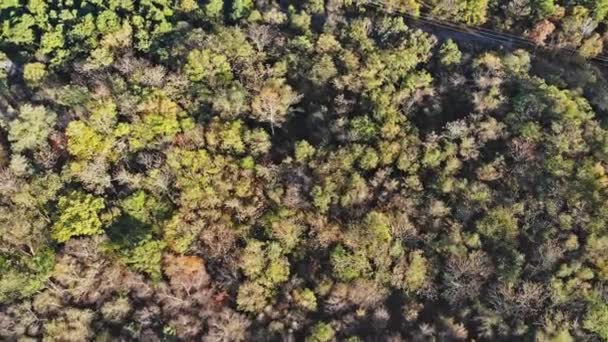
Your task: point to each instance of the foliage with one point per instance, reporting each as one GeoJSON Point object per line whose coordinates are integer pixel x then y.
{"type": "Point", "coordinates": [449, 54]}
{"type": "Point", "coordinates": [31, 128]}
{"type": "Point", "coordinates": [302, 170]}
{"type": "Point", "coordinates": [34, 73]}
{"type": "Point", "coordinates": [79, 214]}
{"type": "Point", "coordinates": [596, 319]}
{"type": "Point", "coordinates": [205, 65]}
{"type": "Point", "coordinates": [273, 101]}
{"type": "Point", "coordinates": [348, 265]}
{"type": "Point", "coordinates": [498, 225]}
{"type": "Point", "coordinates": [321, 332]}
{"type": "Point", "coordinates": [146, 257]}
{"type": "Point", "coordinates": [22, 277]}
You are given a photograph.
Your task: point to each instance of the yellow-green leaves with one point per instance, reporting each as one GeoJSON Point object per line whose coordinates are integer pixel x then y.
{"type": "Point", "coordinates": [31, 128]}
{"type": "Point", "coordinates": [321, 332]}
{"type": "Point", "coordinates": [596, 319]}
{"type": "Point", "coordinates": [252, 297]}
{"type": "Point", "coordinates": [146, 257]}
{"type": "Point", "coordinates": [79, 214]}
{"type": "Point", "coordinates": [208, 66]}
{"type": "Point", "coordinates": [34, 73]}
{"type": "Point", "coordinates": [252, 261]}
{"type": "Point", "coordinates": [449, 54]}
{"type": "Point", "coordinates": [84, 142]}
{"type": "Point", "coordinates": [265, 266]}
{"type": "Point", "coordinates": [214, 8]}
{"type": "Point", "coordinates": [160, 120]}
{"type": "Point", "coordinates": [306, 299]}
{"type": "Point", "coordinates": [52, 41]}
{"type": "Point", "coordinates": [265, 263]}
{"type": "Point", "coordinates": [241, 8]}
{"type": "Point", "coordinates": [349, 265]}
{"type": "Point", "coordinates": [471, 12]}
{"type": "Point", "coordinates": [416, 274]}
{"type": "Point", "coordinates": [304, 151]}
{"type": "Point", "coordinates": [499, 225]}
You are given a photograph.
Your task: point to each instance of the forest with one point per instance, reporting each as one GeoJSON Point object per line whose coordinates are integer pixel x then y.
{"type": "Point", "coordinates": [303, 170]}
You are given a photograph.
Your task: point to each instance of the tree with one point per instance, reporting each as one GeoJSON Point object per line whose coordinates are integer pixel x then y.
{"type": "Point", "coordinates": [84, 142]}
{"type": "Point", "coordinates": [323, 70]}
{"type": "Point", "coordinates": [306, 298]}
{"type": "Point", "coordinates": [600, 10]}
{"type": "Point", "coordinates": [206, 65]}
{"type": "Point", "coordinates": [160, 120]}
{"type": "Point", "coordinates": [541, 31]}
{"type": "Point", "coordinates": [471, 12]}
{"type": "Point", "coordinates": [146, 257]}
{"type": "Point", "coordinates": [24, 275]}
{"type": "Point", "coordinates": [449, 53]}
{"type": "Point", "coordinates": [272, 103]}
{"type": "Point", "coordinates": [72, 325]}
{"type": "Point", "coordinates": [240, 8]}
{"type": "Point", "coordinates": [591, 46]}
{"type": "Point", "coordinates": [544, 8]}
{"type": "Point", "coordinates": [79, 214]}
{"type": "Point", "coordinates": [575, 26]}
{"type": "Point", "coordinates": [596, 253]}
{"type": "Point", "coordinates": [303, 151]}
{"type": "Point", "coordinates": [227, 326]}
{"type": "Point", "coordinates": [348, 265]}
{"type": "Point", "coordinates": [466, 275]}
{"type": "Point", "coordinates": [116, 311]}
{"type": "Point", "coordinates": [34, 73]}
{"type": "Point", "coordinates": [31, 128]}
{"type": "Point", "coordinates": [214, 8]}
{"type": "Point", "coordinates": [252, 297]}
{"type": "Point", "coordinates": [596, 318]}
{"type": "Point", "coordinates": [499, 226]}
{"type": "Point", "coordinates": [186, 273]}
{"type": "Point", "coordinates": [408, 6]}
{"type": "Point", "coordinates": [321, 332]}
{"type": "Point", "coordinates": [417, 272]}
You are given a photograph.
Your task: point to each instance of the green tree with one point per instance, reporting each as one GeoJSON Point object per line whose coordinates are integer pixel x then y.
{"type": "Point", "coordinates": [591, 46]}
{"type": "Point", "coordinates": [147, 257]}
{"type": "Point", "coordinates": [449, 54]}
{"type": "Point", "coordinates": [303, 151]}
{"type": "Point", "coordinates": [321, 332]}
{"type": "Point", "coordinates": [252, 297]}
{"type": "Point", "coordinates": [84, 142]}
{"type": "Point", "coordinates": [471, 12]}
{"type": "Point", "coordinates": [306, 298]}
{"type": "Point", "coordinates": [23, 276]}
{"type": "Point", "coordinates": [600, 9]}
{"type": "Point", "coordinates": [596, 318]}
{"type": "Point", "coordinates": [206, 65]}
{"type": "Point", "coordinates": [417, 272]}
{"type": "Point", "coordinates": [34, 73]}
{"type": "Point", "coordinates": [241, 8]}
{"type": "Point", "coordinates": [347, 265]}
{"type": "Point", "coordinates": [214, 8]}
{"type": "Point", "coordinates": [31, 128]}
{"type": "Point", "coordinates": [499, 225]}
{"type": "Point", "coordinates": [79, 214]}
{"type": "Point", "coordinates": [544, 8]}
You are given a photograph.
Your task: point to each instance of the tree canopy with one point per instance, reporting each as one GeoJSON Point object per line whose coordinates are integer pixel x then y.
{"type": "Point", "coordinates": [339, 170]}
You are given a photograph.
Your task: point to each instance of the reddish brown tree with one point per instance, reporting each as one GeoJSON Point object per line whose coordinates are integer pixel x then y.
{"type": "Point", "coordinates": [541, 31]}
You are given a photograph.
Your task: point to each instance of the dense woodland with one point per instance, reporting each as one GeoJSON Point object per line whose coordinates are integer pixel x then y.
{"type": "Point", "coordinates": [239, 170]}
